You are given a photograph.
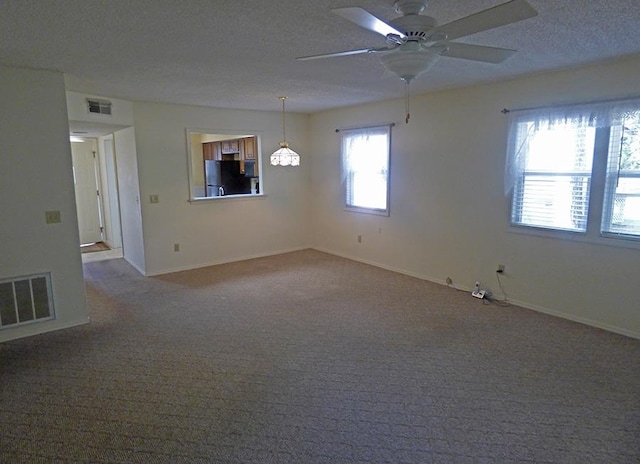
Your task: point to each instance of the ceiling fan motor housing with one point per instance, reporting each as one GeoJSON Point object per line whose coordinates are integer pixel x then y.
{"type": "Point", "coordinates": [416, 27]}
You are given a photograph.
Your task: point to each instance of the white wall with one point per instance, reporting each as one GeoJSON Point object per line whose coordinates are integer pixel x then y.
{"type": "Point", "coordinates": [197, 166]}
{"type": "Point", "coordinates": [448, 211]}
{"type": "Point", "coordinates": [219, 230]}
{"type": "Point", "coordinates": [36, 176]}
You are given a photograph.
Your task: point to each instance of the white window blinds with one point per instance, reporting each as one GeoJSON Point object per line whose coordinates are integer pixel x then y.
{"type": "Point", "coordinates": [553, 186]}
{"type": "Point", "coordinates": [621, 212]}
{"type": "Point", "coordinates": [549, 167]}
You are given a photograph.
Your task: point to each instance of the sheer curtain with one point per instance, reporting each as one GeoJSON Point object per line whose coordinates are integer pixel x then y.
{"type": "Point", "coordinates": [524, 123]}
{"type": "Point", "coordinates": [365, 166]}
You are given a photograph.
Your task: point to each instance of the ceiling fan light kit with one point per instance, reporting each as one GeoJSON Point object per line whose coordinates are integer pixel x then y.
{"type": "Point", "coordinates": [408, 63]}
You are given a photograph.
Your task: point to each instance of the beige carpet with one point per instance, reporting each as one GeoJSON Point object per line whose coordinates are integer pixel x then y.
{"type": "Point", "coordinates": [310, 358]}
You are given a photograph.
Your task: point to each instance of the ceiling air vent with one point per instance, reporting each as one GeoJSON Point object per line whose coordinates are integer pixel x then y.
{"type": "Point", "coordinates": [99, 106]}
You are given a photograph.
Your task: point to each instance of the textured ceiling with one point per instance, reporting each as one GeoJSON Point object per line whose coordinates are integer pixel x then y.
{"type": "Point", "coordinates": [241, 54]}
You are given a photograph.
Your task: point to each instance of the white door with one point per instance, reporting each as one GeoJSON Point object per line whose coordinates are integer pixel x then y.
{"type": "Point", "coordinates": [111, 205]}
{"type": "Point", "coordinates": [87, 192]}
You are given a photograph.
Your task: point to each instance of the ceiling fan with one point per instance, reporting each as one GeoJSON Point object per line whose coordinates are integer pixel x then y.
{"type": "Point", "coordinates": [415, 42]}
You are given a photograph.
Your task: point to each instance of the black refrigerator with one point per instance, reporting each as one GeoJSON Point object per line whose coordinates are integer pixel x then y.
{"type": "Point", "coordinates": [224, 178]}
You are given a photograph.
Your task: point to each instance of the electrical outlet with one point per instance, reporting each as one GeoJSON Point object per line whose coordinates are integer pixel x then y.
{"type": "Point", "coordinates": [359, 238]}
{"type": "Point", "coordinates": [500, 269]}
{"type": "Point", "coordinates": [154, 199]}
{"type": "Point", "coordinates": [176, 247]}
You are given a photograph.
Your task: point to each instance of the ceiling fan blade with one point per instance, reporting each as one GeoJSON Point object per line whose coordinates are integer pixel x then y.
{"type": "Point", "coordinates": [477, 52]}
{"type": "Point", "coordinates": [329, 55]}
{"type": "Point", "coordinates": [363, 18]}
{"type": "Point", "coordinates": [501, 15]}
{"type": "Point", "coordinates": [349, 52]}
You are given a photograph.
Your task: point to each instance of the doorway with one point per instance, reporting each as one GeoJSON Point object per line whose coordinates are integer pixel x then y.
{"type": "Point", "coordinates": [97, 199]}
{"type": "Point", "coordinates": [86, 181]}
{"type": "Point", "coordinates": [119, 190]}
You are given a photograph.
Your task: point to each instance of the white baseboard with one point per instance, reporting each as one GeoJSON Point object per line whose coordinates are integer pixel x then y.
{"type": "Point", "coordinates": [581, 320]}
{"type": "Point", "coordinates": [224, 261]}
{"type": "Point", "coordinates": [135, 266]}
{"type": "Point", "coordinates": [37, 328]}
{"type": "Point", "coordinates": [522, 304]}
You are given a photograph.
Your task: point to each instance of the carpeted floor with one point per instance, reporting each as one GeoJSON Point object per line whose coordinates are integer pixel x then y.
{"type": "Point", "coordinates": [310, 358]}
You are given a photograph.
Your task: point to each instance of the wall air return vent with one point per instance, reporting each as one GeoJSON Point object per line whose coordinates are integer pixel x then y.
{"type": "Point", "coordinates": [99, 106]}
{"type": "Point", "coordinates": [25, 299]}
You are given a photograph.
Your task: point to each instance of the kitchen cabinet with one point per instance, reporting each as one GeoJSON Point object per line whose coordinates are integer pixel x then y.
{"type": "Point", "coordinates": [242, 149]}
{"type": "Point", "coordinates": [229, 147]}
{"type": "Point", "coordinates": [211, 151]}
{"type": "Point", "coordinates": [249, 152]}
{"type": "Point", "coordinates": [246, 149]}
{"type": "Point", "coordinates": [250, 148]}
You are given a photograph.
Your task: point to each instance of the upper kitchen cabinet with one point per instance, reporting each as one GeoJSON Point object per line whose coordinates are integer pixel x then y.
{"type": "Point", "coordinates": [230, 147]}
{"type": "Point", "coordinates": [211, 151]}
{"type": "Point", "coordinates": [245, 148]}
{"type": "Point", "coordinates": [250, 148]}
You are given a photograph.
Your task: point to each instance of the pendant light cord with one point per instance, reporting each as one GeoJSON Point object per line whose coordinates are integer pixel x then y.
{"type": "Point", "coordinates": [407, 95]}
{"type": "Point", "coordinates": [284, 139]}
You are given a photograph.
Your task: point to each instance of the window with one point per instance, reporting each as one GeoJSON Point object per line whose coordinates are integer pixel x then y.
{"type": "Point", "coordinates": [622, 188]}
{"type": "Point", "coordinates": [365, 167]}
{"type": "Point", "coordinates": [553, 186]}
{"type": "Point", "coordinates": [576, 169]}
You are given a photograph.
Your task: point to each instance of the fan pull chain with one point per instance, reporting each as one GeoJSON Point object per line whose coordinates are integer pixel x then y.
{"type": "Point", "coordinates": [406, 120]}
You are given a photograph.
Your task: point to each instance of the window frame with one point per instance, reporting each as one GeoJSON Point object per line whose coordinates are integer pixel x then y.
{"type": "Point", "coordinates": [217, 134]}
{"type": "Point", "coordinates": [597, 208]}
{"type": "Point", "coordinates": [615, 175]}
{"type": "Point", "coordinates": [347, 174]}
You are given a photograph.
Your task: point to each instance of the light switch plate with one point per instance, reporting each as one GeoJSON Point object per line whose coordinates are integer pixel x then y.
{"type": "Point", "coordinates": [52, 217]}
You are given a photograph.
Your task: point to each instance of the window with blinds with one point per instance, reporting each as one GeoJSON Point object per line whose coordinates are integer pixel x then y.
{"type": "Point", "coordinates": [576, 167]}
{"type": "Point", "coordinates": [553, 189]}
{"type": "Point", "coordinates": [365, 169]}
{"type": "Point", "coordinates": [621, 212]}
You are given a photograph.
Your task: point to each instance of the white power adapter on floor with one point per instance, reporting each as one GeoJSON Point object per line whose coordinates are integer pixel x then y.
{"type": "Point", "coordinates": [477, 292]}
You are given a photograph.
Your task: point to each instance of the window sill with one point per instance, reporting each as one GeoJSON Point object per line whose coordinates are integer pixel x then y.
{"type": "Point", "coordinates": [602, 240]}
{"type": "Point", "coordinates": [242, 197]}
{"type": "Point", "coordinates": [374, 212]}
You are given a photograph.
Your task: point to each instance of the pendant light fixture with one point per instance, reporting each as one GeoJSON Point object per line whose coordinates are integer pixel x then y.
{"type": "Point", "coordinates": [284, 156]}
